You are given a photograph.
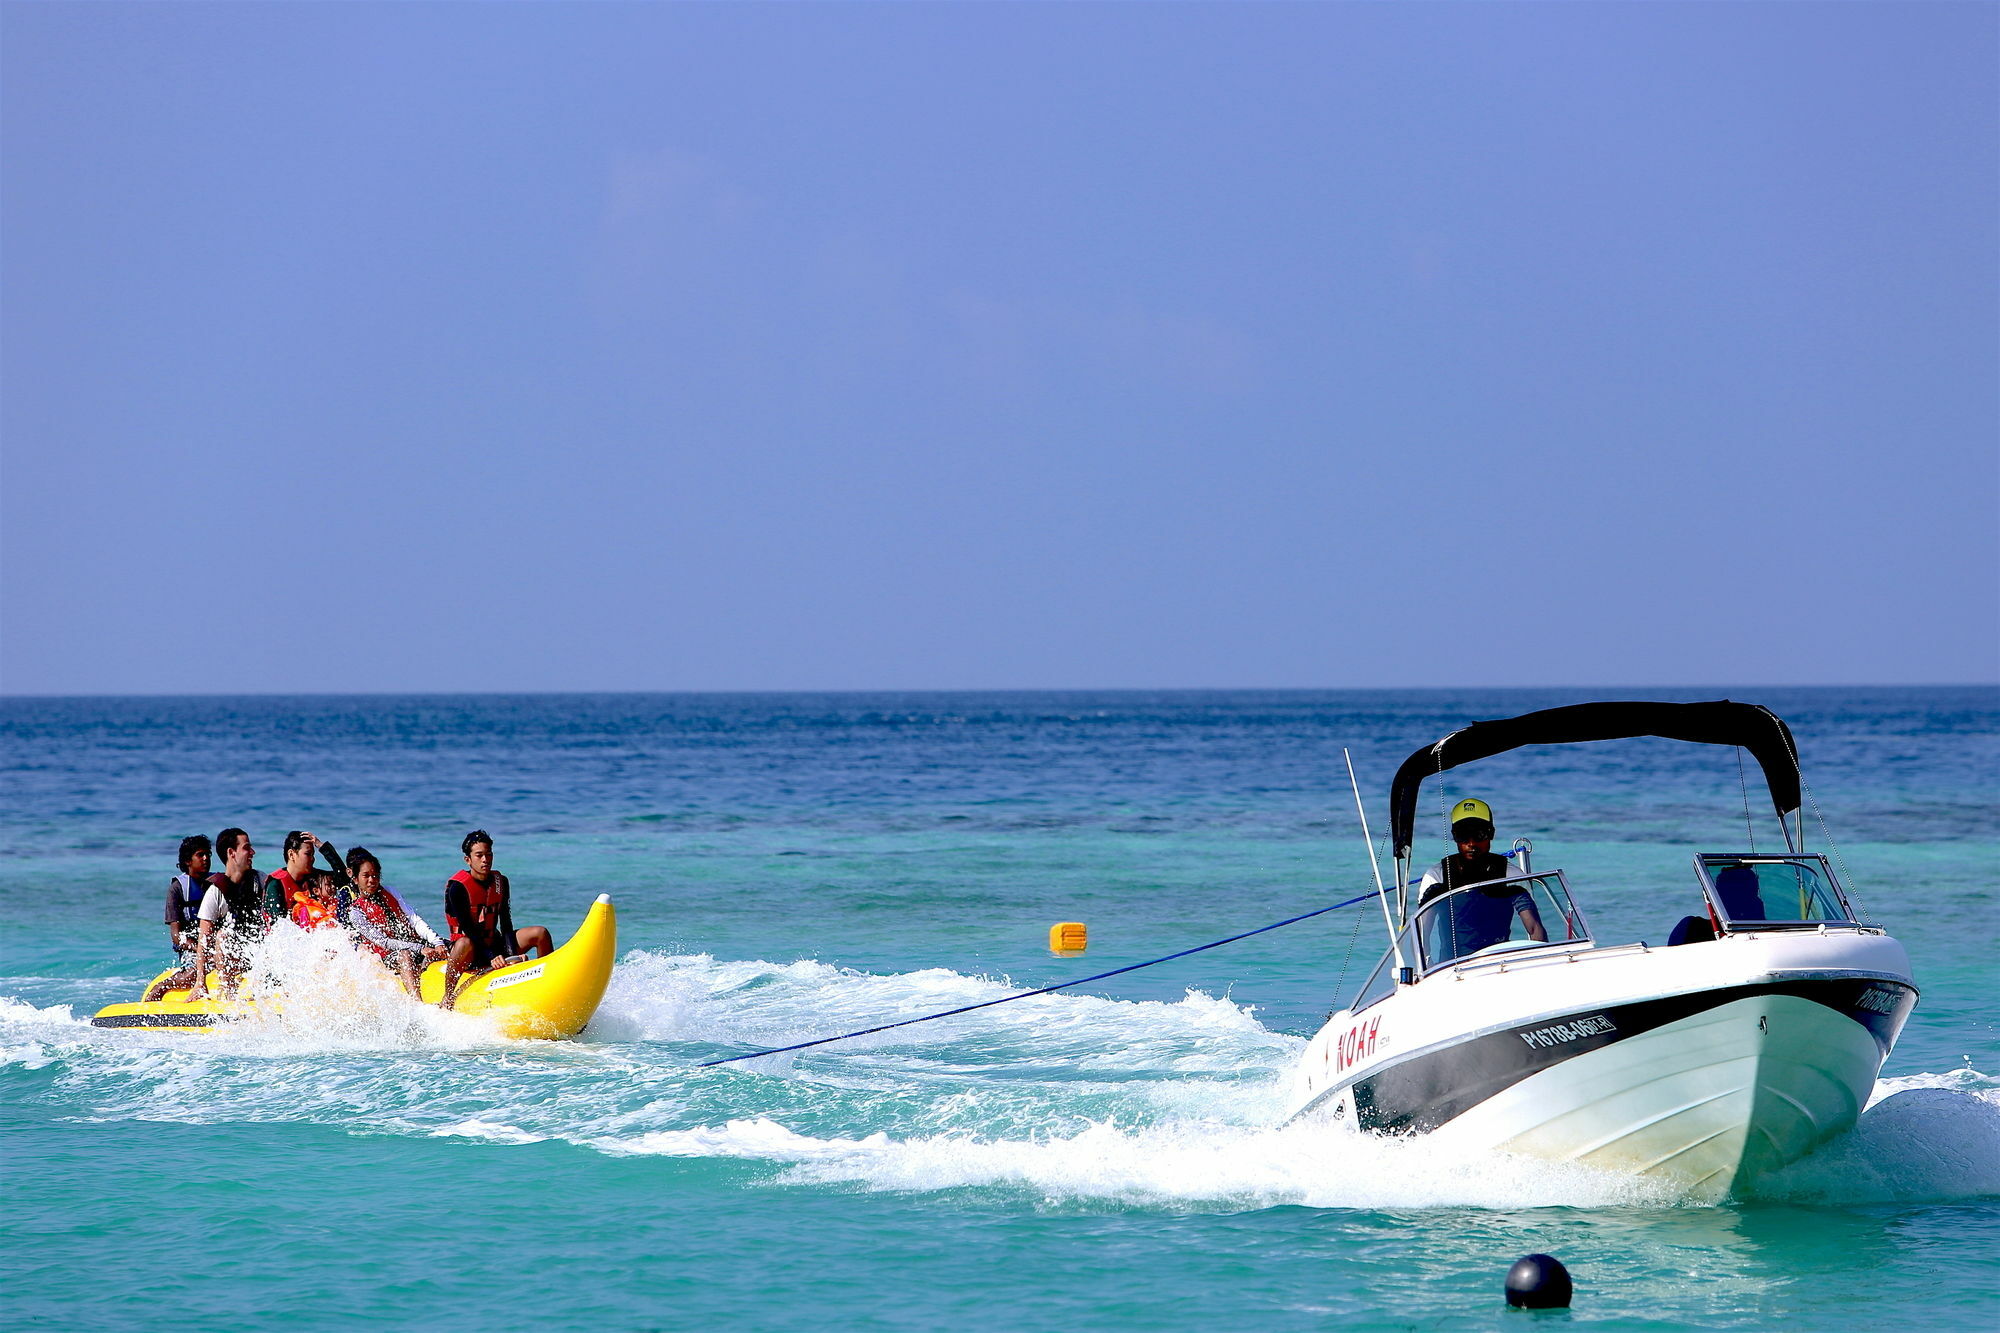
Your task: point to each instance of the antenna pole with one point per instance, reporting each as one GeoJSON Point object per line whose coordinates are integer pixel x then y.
{"type": "Point", "coordinates": [1381, 890]}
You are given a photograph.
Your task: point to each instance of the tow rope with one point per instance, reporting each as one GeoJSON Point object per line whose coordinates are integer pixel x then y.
{"type": "Point", "coordinates": [1045, 990]}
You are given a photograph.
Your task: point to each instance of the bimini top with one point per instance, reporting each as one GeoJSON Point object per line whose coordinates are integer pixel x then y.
{"type": "Point", "coordinates": [1719, 722]}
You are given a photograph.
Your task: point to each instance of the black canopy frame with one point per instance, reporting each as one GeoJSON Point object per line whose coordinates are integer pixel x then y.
{"type": "Point", "coordinates": [1717, 722]}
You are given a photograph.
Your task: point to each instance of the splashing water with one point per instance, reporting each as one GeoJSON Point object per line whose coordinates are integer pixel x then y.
{"type": "Point", "coordinates": [1066, 1100]}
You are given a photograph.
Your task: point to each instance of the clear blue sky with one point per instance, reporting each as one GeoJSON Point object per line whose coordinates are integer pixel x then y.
{"type": "Point", "coordinates": [547, 347]}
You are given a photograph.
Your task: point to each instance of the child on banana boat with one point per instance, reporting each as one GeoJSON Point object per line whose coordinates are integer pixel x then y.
{"type": "Point", "coordinates": [184, 896]}
{"type": "Point", "coordinates": [316, 905]}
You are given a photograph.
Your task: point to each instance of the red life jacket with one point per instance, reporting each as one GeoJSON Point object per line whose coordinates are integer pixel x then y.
{"type": "Point", "coordinates": [289, 887]}
{"type": "Point", "coordinates": [393, 923]}
{"type": "Point", "coordinates": [486, 900]}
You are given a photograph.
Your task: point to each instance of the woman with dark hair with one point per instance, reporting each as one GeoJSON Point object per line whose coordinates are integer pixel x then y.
{"type": "Point", "coordinates": [282, 888]}
{"type": "Point", "coordinates": [386, 925]}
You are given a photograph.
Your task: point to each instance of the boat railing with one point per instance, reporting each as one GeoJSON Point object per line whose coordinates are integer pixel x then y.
{"type": "Point", "coordinates": [1789, 891]}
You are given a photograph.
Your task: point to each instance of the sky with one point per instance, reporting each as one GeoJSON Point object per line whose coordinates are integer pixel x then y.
{"type": "Point", "coordinates": [370, 347]}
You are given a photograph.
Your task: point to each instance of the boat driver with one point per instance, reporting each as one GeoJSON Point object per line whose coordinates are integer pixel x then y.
{"type": "Point", "coordinates": [1479, 917]}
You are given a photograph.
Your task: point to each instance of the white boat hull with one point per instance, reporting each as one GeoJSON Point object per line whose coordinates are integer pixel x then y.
{"type": "Point", "coordinates": [1704, 1065]}
{"type": "Point", "coordinates": [1722, 1095]}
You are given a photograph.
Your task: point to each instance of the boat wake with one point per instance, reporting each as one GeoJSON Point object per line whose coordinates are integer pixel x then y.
{"type": "Point", "coordinates": [1069, 1101]}
{"type": "Point", "coordinates": [1923, 1138]}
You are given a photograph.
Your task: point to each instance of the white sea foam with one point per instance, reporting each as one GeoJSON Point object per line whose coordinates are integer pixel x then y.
{"type": "Point", "coordinates": [1076, 1098]}
{"type": "Point", "coordinates": [30, 1035]}
{"type": "Point", "coordinates": [1924, 1143]}
{"type": "Point", "coordinates": [331, 997]}
{"type": "Point", "coordinates": [656, 997]}
{"type": "Point", "coordinates": [25, 1055]}
{"type": "Point", "coordinates": [1187, 1162]}
{"type": "Point", "coordinates": [1074, 1101]}
{"type": "Point", "coordinates": [1923, 1137]}
{"type": "Point", "coordinates": [487, 1130]}
{"type": "Point", "coordinates": [16, 1014]}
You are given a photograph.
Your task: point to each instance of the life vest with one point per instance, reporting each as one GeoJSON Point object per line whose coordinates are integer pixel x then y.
{"type": "Point", "coordinates": [245, 901]}
{"type": "Point", "coordinates": [309, 913]}
{"type": "Point", "coordinates": [1454, 873]}
{"type": "Point", "coordinates": [486, 901]}
{"type": "Point", "coordinates": [384, 914]}
{"type": "Point", "coordinates": [188, 906]}
{"type": "Point", "coordinates": [289, 887]}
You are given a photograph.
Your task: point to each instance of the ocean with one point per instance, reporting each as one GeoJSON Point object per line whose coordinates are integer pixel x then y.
{"type": "Point", "coordinates": [794, 866]}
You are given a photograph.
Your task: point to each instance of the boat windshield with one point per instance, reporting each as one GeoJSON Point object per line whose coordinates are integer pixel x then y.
{"type": "Point", "coordinates": [1500, 914]}
{"type": "Point", "coordinates": [1794, 890]}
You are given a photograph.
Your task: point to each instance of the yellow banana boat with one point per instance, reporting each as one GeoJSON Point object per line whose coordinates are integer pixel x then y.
{"type": "Point", "coordinates": [548, 998]}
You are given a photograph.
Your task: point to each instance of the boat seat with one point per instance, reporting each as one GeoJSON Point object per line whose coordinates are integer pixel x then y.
{"type": "Point", "coordinates": [1737, 890]}
{"type": "Point", "coordinates": [1691, 930]}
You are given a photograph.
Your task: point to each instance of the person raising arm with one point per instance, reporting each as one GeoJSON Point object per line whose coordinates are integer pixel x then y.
{"type": "Point", "coordinates": [283, 889]}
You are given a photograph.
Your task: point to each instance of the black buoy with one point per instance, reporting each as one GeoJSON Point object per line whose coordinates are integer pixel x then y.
{"type": "Point", "coordinates": [1538, 1282]}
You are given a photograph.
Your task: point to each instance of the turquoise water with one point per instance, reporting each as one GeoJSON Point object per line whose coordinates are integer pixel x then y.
{"type": "Point", "coordinates": [794, 866]}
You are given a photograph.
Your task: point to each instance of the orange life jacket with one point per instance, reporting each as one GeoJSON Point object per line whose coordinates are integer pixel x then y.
{"type": "Point", "coordinates": [309, 913]}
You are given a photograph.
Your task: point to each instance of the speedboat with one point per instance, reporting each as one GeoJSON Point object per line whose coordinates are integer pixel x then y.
{"type": "Point", "coordinates": [549, 998]}
{"type": "Point", "coordinates": [1755, 1032]}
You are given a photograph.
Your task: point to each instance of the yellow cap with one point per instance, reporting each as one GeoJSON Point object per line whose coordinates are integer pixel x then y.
{"type": "Point", "coordinates": [1471, 808]}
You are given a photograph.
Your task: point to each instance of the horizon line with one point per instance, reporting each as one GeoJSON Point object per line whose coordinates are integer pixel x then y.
{"type": "Point", "coordinates": [28, 696]}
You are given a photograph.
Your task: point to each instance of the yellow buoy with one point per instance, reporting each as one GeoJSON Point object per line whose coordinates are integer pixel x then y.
{"type": "Point", "coordinates": [1067, 939]}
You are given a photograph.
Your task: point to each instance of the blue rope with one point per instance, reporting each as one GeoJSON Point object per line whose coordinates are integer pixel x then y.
{"type": "Point", "coordinates": [1065, 985]}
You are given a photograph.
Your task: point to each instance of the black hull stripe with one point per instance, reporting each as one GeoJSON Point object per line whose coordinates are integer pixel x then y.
{"type": "Point", "coordinates": [1427, 1090]}
{"type": "Point", "coordinates": [156, 1020]}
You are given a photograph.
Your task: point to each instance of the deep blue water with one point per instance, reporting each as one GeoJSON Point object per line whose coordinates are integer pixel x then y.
{"type": "Point", "coordinates": [789, 866]}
